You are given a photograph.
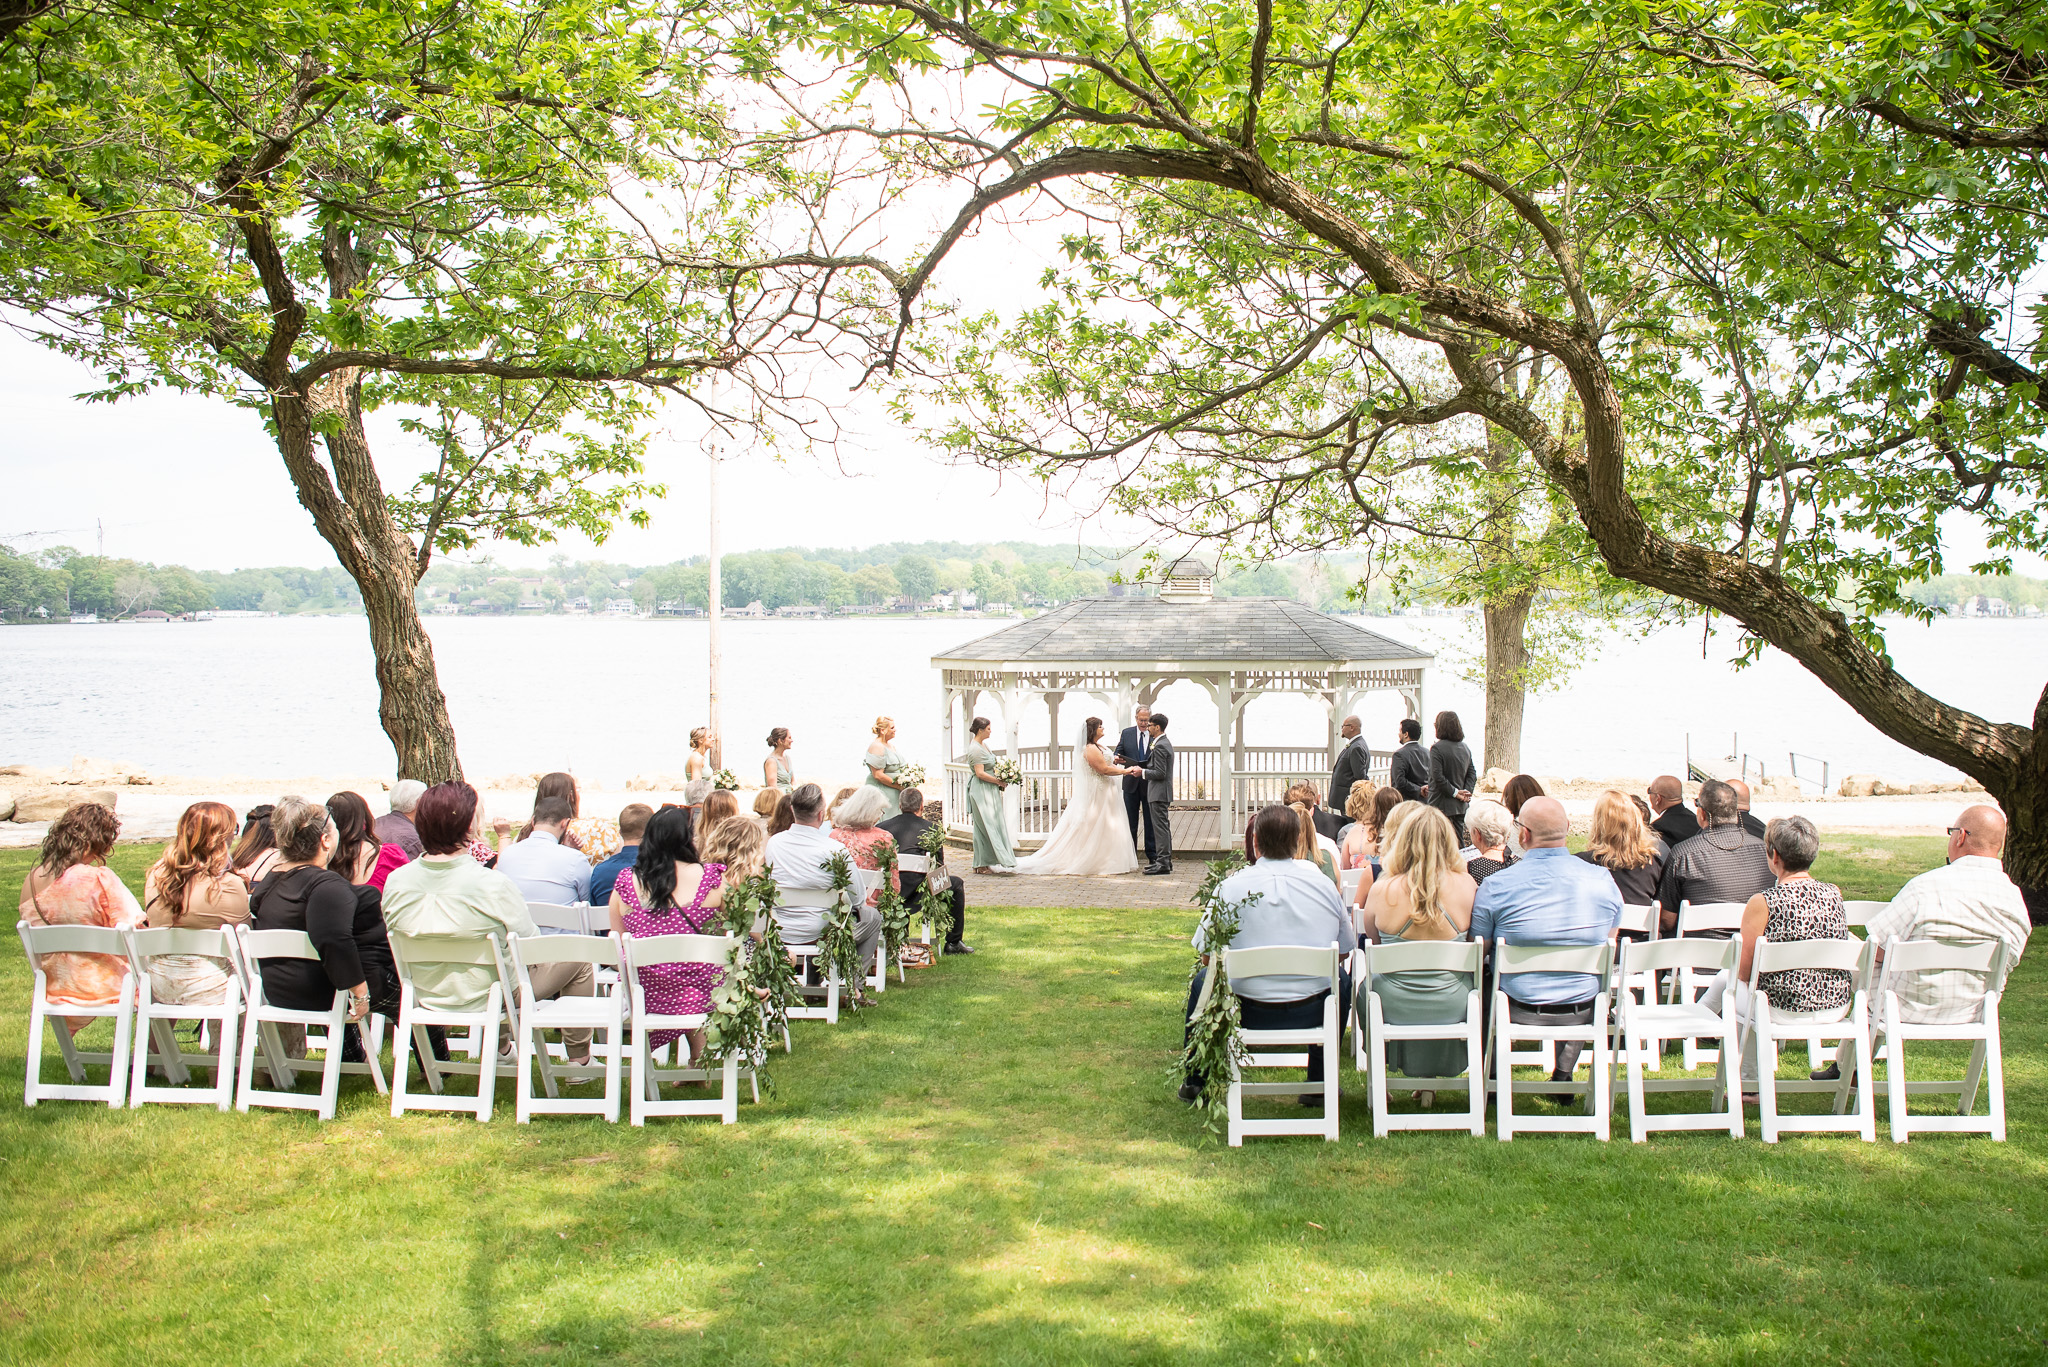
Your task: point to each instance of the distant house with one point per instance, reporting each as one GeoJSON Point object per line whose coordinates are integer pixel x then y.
{"type": "Point", "coordinates": [152, 615]}
{"type": "Point", "coordinates": [579, 604]}
{"type": "Point", "coordinates": [676, 607]}
{"type": "Point", "coordinates": [447, 609]}
{"type": "Point", "coordinates": [753, 609]}
{"type": "Point", "coordinates": [85, 618]}
{"type": "Point", "coordinates": [801, 610]}
{"type": "Point", "coordinates": [531, 605]}
{"type": "Point", "coordinates": [861, 609]}
{"type": "Point", "coordinates": [621, 607]}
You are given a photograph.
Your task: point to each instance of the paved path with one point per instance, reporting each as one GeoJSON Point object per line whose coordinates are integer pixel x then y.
{"type": "Point", "coordinates": [1127, 891]}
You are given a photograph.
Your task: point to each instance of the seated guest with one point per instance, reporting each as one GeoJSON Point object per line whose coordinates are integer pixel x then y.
{"type": "Point", "coordinates": [832, 811]}
{"type": "Point", "coordinates": [1548, 898]}
{"type": "Point", "coordinates": [1424, 896]}
{"type": "Point", "coordinates": [1796, 907]}
{"type": "Point", "coordinates": [71, 885]}
{"type": "Point", "coordinates": [1355, 846]}
{"type": "Point", "coordinates": [907, 829]}
{"type": "Point", "coordinates": [1626, 848]}
{"type": "Point", "coordinates": [194, 887]}
{"type": "Point", "coordinates": [1513, 794]}
{"type": "Point", "coordinates": [633, 821]}
{"type": "Point", "coordinates": [1488, 825]}
{"type": "Point", "coordinates": [1723, 863]}
{"type": "Point", "coordinates": [360, 856]}
{"type": "Point", "coordinates": [668, 892]}
{"type": "Point", "coordinates": [765, 803]}
{"type": "Point", "coordinates": [1672, 819]}
{"type": "Point", "coordinates": [1969, 898]}
{"type": "Point", "coordinates": [857, 827]}
{"type": "Point", "coordinates": [1296, 906]}
{"type": "Point", "coordinates": [303, 893]}
{"type": "Point", "coordinates": [447, 892]}
{"type": "Point", "coordinates": [1750, 821]}
{"type": "Point", "coordinates": [256, 851]}
{"type": "Point", "coordinates": [1314, 848]}
{"type": "Point", "coordinates": [1328, 823]}
{"type": "Point", "coordinates": [784, 817]}
{"type": "Point", "coordinates": [540, 866]}
{"type": "Point", "coordinates": [395, 826]}
{"type": "Point", "coordinates": [719, 805]}
{"type": "Point", "coordinates": [557, 785]}
{"type": "Point", "coordinates": [797, 857]}
{"type": "Point", "coordinates": [740, 846]}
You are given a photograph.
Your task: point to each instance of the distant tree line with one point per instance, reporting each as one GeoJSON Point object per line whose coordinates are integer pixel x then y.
{"type": "Point", "coordinates": [49, 585]}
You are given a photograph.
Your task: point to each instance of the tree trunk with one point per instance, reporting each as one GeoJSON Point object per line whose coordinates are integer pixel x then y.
{"type": "Point", "coordinates": [1507, 655]}
{"type": "Point", "coordinates": [351, 513]}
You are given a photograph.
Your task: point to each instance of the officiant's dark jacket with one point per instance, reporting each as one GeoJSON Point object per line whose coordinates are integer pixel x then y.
{"type": "Point", "coordinates": [1127, 747]}
{"type": "Point", "coordinates": [1352, 763]}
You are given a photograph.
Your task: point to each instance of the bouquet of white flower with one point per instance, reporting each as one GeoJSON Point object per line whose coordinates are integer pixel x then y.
{"type": "Point", "coordinates": [908, 775]}
{"type": "Point", "coordinates": [1007, 771]}
{"type": "Point", "coordinates": [726, 780]}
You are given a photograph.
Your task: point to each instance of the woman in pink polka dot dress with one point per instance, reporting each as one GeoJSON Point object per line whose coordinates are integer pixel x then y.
{"type": "Point", "coordinates": [646, 904]}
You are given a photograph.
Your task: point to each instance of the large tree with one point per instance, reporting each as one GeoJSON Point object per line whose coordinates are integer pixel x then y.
{"type": "Point", "coordinates": [513, 221]}
{"type": "Point", "coordinates": [1779, 249]}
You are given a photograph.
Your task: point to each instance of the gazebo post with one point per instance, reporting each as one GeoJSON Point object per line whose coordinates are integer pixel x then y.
{"type": "Point", "coordinates": [1052, 711]}
{"type": "Point", "coordinates": [1226, 768]}
{"type": "Point", "coordinates": [946, 742]}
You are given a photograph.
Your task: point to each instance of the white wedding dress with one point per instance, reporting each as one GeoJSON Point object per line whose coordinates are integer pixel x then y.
{"type": "Point", "coordinates": [1093, 836]}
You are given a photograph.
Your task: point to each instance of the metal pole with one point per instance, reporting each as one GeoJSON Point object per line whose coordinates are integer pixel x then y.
{"type": "Point", "coordinates": [717, 606]}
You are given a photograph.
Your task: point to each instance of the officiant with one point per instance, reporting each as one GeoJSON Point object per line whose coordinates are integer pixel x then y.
{"type": "Point", "coordinates": [1353, 762]}
{"type": "Point", "coordinates": [1133, 748]}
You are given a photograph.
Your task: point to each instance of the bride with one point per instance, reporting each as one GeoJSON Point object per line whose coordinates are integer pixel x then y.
{"type": "Point", "coordinates": [1093, 835]}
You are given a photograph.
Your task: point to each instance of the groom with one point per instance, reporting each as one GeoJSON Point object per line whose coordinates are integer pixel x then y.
{"type": "Point", "coordinates": [1133, 748]}
{"type": "Point", "coordinates": [1158, 778]}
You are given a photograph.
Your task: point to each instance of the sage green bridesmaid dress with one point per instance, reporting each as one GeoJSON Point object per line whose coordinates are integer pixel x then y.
{"type": "Point", "coordinates": [886, 761]}
{"type": "Point", "coordinates": [985, 803]}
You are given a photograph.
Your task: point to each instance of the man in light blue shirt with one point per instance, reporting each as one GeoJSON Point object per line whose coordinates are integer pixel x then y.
{"type": "Point", "coordinates": [797, 858]}
{"type": "Point", "coordinates": [541, 866]}
{"type": "Point", "coordinates": [1547, 897]}
{"type": "Point", "coordinates": [1297, 905]}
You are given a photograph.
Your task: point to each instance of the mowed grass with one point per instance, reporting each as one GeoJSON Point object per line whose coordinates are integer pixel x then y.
{"type": "Point", "coordinates": [990, 1167]}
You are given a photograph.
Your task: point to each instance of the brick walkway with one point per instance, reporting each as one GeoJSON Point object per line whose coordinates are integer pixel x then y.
{"type": "Point", "coordinates": [1128, 891]}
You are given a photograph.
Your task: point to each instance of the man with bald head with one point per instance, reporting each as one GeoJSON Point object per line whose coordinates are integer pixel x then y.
{"type": "Point", "coordinates": [1751, 822]}
{"type": "Point", "coordinates": [1969, 898]}
{"type": "Point", "coordinates": [1352, 762]}
{"type": "Point", "coordinates": [1673, 819]}
{"type": "Point", "coordinates": [1547, 897]}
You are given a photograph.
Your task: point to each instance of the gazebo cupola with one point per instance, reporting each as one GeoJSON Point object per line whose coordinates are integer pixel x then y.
{"type": "Point", "coordinates": [1189, 579]}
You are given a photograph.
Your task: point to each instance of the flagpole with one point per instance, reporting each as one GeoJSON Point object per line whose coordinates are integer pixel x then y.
{"type": "Point", "coordinates": [717, 609]}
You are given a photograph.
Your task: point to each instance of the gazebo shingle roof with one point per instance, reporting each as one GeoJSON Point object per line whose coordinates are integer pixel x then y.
{"type": "Point", "coordinates": [1122, 630]}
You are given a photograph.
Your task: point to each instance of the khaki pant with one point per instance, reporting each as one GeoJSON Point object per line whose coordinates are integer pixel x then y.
{"type": "Point", "coordinates": [574, 980]}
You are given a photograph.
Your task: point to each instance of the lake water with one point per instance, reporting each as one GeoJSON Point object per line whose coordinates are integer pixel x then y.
{"type": "Point", "coordinates": [609, 698]}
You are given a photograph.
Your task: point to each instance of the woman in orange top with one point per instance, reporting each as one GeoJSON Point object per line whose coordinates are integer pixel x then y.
{"type": "Point", "coordinates": [71, 885]}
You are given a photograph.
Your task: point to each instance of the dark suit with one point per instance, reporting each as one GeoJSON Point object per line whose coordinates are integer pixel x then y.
{"type": "Point", "coordinates": [1409, 770]}
{"type": "Point", "coordinates": [1132, 748]}
{"type": "Point", "coordinates": [907, 831]}
{"type": "Point", "coordinates": [1351, 766]}
{"type": "Point", "coordinates": [1677, 825]}
{"type": "Point", "coordinates": [1159, 798]}
{"type": "Point", "coordinates": [1754, 824]}
{"type": "Point", "coordinates": [1327, 822]}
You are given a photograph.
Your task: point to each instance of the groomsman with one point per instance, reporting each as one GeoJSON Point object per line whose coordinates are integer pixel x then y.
{"type": "Point", "coordinates": [1352, 762]}
{"type": "Point", "coordinates": [1409, 770]}
{"type": "Point", "coordinates": [1133, 748]}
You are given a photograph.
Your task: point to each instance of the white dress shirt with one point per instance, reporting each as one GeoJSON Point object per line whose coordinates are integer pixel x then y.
{"type": "Point", "coordinates": [1298, 905]}
{"type": "Point", "coordinates": [797, 858]}
{"type": "Point", "coordinates": [546, 870]}
{"type": "Point", "coordinates": [1969, 899]}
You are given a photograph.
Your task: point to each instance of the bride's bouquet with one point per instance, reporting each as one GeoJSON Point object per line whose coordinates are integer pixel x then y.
{"type": "Point", "coordinates": [1007, 771]}
{"type": "Point", "coordinates": [726, 780]}
{"type": "Point", "coordinates": [908, 775]}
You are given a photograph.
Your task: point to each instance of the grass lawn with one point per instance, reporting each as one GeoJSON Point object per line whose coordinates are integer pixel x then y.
{"type": "Point", "coordinates": [990, 1167]}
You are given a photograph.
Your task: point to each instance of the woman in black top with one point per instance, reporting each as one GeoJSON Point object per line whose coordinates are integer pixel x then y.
{"type": "Point", "coordinates": [1487, 828]}
{"type": "Point", "coordinates": [302, 893]}
{"type": "Point", "coordinates": [1451, 775]}
{"type": "Point", "coordinates": [1627, 848]}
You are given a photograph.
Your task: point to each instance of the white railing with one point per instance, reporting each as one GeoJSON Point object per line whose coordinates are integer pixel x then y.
{"type": "Point", "coordinates": [1034, 805]}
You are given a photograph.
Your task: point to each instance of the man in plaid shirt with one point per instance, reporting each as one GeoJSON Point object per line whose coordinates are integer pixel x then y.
{"type": "Point", "coordinates": [1970, 898]}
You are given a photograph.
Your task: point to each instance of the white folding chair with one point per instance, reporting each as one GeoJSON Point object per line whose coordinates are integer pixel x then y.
{"type": "Point", "coordinates": [38, 941]}
{"type": "Point", "coordinates": [1852, 1033]}
{"type": "Point", "coordinates": [600, 1012]}
{"type": "Point", "coordinates": [809, 957]}
{"type": "Point", "coordinates": [1347, 884]}
{"type": "Point", "coordinates": [1423, 956]}
{"type": "Point", "coordinates": [1979, 1028]}
{"type": "Point", "coordinates": [645, 953]}
{"type": "Point", "coordinates": [1709, 920]}
{"type": "Point", "coordinates": [251, 948]}
{"type": "Point", "coordinates": [560, 918]}
{"type": "Point", "coordinates": [157, 1022]}
{"type": "Point", "coordinates": [1859, 914]}
{"type": "Point", "coordinates": [869, 881]}
{"type": "Point", "coordinates": [920, 864]}
{"type": "Point", "coordinates": [1646, 1023]}
{"type": "Point", "coordinates": [1596, 961]}
{"type": "Point", "coordinates": [1305, 961]}
{"type": "Point", "coordinates": [413, 952]}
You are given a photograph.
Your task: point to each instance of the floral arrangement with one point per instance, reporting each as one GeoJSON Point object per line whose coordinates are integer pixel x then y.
{"type": "Point", "coordinates": [934, 902]}
{"type": "Point", "coordinates": [1215, 1048]}
{"type": "Point", "coordinates": [840, 948]}
{"type": "Point", "coordinates": [908, 775]}
{"type": "Point", "coordinates": [726, 780]}
{"type": "Point", "coordinates": [1007, 771]}
{"type": "Point", "coordinates": [894, 911]}
{"type": "Point", "coordinates": [750, 1005]}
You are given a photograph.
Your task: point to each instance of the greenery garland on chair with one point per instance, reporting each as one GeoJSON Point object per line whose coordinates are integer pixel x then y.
{"type": "Point", "coordinates": [837, 942]}
{"type": "Point", "coordinates": [1215, 1048]}
{"type": "Point", "coordinates": [750, 1005]}
{"type": "Point", "coordinates": [934, 900]}
{"type": "Point", "coordinates": [894, 911]}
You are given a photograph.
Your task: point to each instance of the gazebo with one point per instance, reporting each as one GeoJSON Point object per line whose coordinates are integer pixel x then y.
{"type": "Point", "coordinates": [1121, 651]}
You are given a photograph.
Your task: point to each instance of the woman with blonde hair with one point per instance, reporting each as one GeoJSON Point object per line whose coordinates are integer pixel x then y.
{"type": "Point", "coordinates": [883, 764]}
{"type": "Point", "coordinates": [697, 768]}
{"type": "Point", "coordinates": [1623, 844]}
{"type": "Point", "coordinates": [195, 887]}
{"type": "Point", "coordinates": [741, 846]}
{"type": "Point", "coordinates": [1425, 894]}
{"type": "Point", "coordinates": [1310, 848]}
{"type": "Point", "coordinates": [719, 806]}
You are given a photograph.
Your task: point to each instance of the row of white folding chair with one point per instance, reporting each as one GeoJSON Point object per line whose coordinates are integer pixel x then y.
{"type": "Point", "coordinates": [1305, 961]}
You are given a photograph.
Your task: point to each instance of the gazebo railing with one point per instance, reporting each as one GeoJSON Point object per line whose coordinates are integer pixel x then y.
{"type": "Point", "coordinates": [1035, 804]}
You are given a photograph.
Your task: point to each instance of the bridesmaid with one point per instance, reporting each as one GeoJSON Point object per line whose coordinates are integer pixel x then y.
{"type": "Point", "coordinates": [775, 771]}
{"type": "Point", "coordinates": [697, 770]}
{"type": "Point", "coordinates": [880, 759]}
{"type": "Point", "coordinates": [992, 851]}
